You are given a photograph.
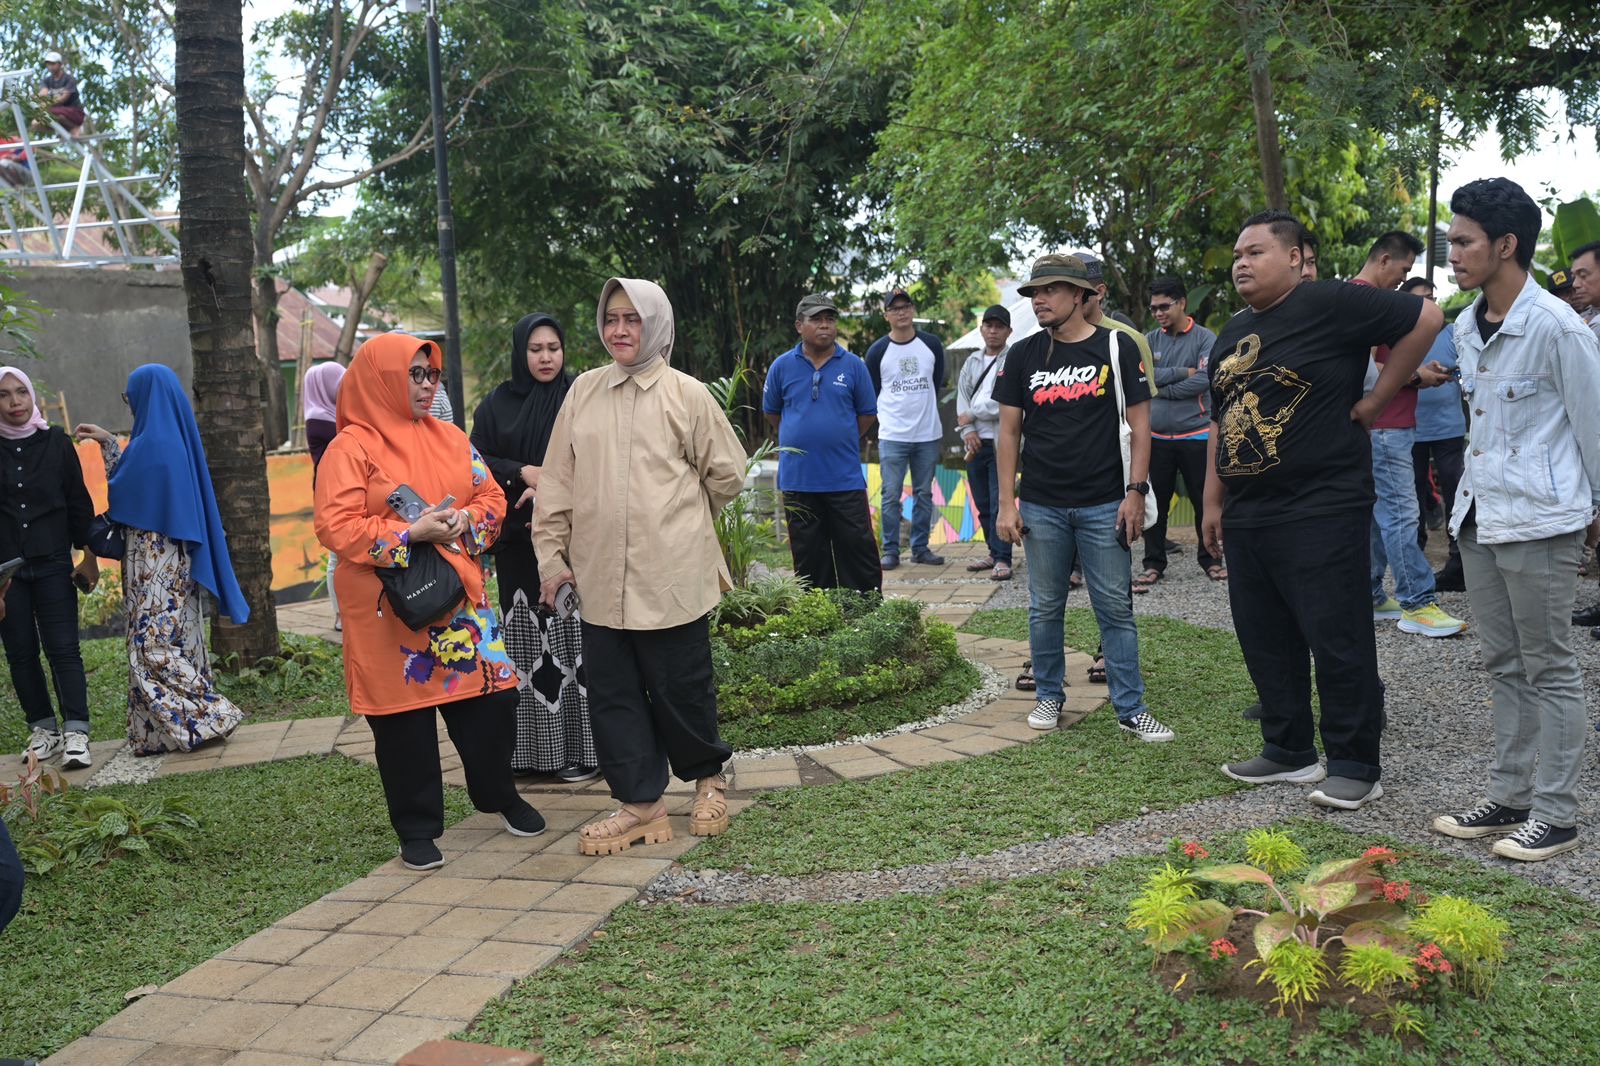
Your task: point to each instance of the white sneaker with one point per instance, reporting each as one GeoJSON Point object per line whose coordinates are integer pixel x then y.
{"type": "Point", "coordinates": [1147, 728]}
{"type": "Point", "coordinates": [1046, 714]}
{"type": "Point", "coordinates": [43, 744]}
{"type": "Point", "coordinates": [75, 752]}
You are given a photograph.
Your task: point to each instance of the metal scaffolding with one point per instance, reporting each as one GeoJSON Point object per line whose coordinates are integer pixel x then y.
{"type": "Point", "coordinates": [37, 234]}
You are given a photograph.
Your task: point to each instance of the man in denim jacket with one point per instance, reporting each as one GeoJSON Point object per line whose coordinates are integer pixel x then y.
{"type": "Point", "coordinates": [1525, 510]}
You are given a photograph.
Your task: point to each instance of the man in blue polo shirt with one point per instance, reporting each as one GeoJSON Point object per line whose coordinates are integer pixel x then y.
{"type": "Point", "coordinates": [820, 400]}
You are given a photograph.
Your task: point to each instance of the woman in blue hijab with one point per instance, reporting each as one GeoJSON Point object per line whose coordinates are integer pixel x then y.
{"type": "Point", "coordinates": [161, 494]}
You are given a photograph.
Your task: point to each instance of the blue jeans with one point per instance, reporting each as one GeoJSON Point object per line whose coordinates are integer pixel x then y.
{"type": "Point", "coordinates": [894, 457]}
{"type": "Point", "coordinates": [1055, 535]}
{"type": "Point", "coordinates": [983, 481]}
{"type": "Point", "coordinates": [1394, 521]}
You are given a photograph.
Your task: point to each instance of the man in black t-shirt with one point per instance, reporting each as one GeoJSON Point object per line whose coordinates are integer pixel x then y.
{"type": "Point", "coordinates": [1070, 388]}
{"type": "Point", "coordinates": [1290, 482]}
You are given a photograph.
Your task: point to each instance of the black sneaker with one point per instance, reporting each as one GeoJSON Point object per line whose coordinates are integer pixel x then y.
{"type": "Point", "coordinates": [420, 855]}
{"type": "Point", "coordinates": [1587, 616]}
{"type": "Point", "coordinates": [927, 558]}
{"type": "Point", "coordinates": [1484, 820]}
{"type": "Point", "coordinates": [889, 562]}
{"type": "Point", "coordinates": [523, 821]}
{"type": "Point", "coordinates": [1450, 579]}
{"type": "Point", "coordinates": [1536, 841]}
{"type": "Point", "coordinates": [1252, 713]}
{"type": "Point", "coordinates": [573, 774]}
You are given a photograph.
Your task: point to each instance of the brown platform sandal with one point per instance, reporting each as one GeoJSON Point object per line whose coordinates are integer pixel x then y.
{"type": "Point", "coordinates": [709, 816]}
{"type": "Point", "coordinates": [631, 824]}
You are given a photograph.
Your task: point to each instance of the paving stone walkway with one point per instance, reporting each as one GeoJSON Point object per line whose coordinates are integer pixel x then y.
{"type": "Point", "coordinates": [399, 957]}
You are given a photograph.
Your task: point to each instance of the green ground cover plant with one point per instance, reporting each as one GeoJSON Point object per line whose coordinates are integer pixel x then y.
{"type": "Point", "coordinates": [1031, 971]}
{"type": "Point", "coordinates": [273, 838]}
{"type": "Point", "coordinates": [308, 682]}
{"type": "Point", "coordinates": [1067, 782]}
{"type": "Point", "coordinates": [812, 667]}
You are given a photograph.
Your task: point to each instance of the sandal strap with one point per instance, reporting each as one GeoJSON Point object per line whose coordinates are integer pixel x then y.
{"type": "Point", "coordinates": [617, 823]}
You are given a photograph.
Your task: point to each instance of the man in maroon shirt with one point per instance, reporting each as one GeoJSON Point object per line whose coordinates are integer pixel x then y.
{"type": "Point", "coordinates": [1394, 515]}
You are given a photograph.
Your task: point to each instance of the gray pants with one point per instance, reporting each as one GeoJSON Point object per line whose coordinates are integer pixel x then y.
{"type": "Point", "coordinates": [1522, 596]}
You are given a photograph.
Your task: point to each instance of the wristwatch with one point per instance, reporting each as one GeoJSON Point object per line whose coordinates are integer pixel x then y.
{"type": "Point", "coordinates": [1141, 487]}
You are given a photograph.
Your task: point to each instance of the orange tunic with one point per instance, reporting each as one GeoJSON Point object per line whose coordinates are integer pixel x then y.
{"type": "Point", "coordinates": [388, 667]}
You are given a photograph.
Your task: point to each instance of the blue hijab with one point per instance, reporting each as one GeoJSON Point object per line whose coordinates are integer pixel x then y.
{"type": "Point", "coordinates": [162, 484]}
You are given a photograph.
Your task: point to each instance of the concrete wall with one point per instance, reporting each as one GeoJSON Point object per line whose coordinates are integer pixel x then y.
{"type": "Point", "coordinates": [100, 326]}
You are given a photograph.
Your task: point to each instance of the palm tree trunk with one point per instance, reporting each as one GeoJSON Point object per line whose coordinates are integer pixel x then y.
{"type": "Point", "coordinates": [216, 258]}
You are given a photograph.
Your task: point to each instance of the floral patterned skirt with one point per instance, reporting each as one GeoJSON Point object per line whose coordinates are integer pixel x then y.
{"type": "Point", "coordinates": [173, 703]}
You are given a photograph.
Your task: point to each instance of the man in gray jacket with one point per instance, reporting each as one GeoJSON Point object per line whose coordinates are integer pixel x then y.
{"type": "Point", "coordinates": [978, 416]}
{"type": "Point", "coordinates": [1180, 417]}
{"type": "Point", "coordinates": [1524, 512]}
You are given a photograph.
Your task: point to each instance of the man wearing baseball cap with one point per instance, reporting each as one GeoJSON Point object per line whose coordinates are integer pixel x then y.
{"type": "Point", "coordinates": [1561, 285]}
{"type": "Point", "coordinates": [819, 399]}
{"type": "Point", "coordinates": [61, 89]}
{"type": "Point", "coordinates": [907, 369]}
{"type": "Point", "coordinates": [978, 415]}
{"type": "Point", "coordinates": [1070, 388]}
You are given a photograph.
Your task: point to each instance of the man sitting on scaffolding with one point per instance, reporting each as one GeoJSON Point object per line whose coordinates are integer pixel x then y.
{"type": "Point", "coordinates": [61, 89]}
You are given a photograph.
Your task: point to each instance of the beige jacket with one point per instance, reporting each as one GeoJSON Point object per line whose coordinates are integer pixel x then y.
{"type": "Point", "coordinates": [637, 468]}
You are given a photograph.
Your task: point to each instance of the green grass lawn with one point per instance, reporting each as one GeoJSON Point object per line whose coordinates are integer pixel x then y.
{"type": "Point", "coordinates": [824, 724]}
{"type": "Point", "coordinates": [1033, 971]}
{"type": "Point", "coordinates": [1066, 782]}
{"type": "Point", "coordinates": [273, 838]}
{"type": "Point", "coordinates": [300, 691]}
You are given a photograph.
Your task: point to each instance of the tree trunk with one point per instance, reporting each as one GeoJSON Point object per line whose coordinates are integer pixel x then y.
{"type": "Point", "coordinates": [360, 292]}
{"type": "Point", "coordinates": [273, 395]}
{"type": "Point", "coordinates": [1255, 57]}
{"type": "Point", "coordinates": [216, 262]}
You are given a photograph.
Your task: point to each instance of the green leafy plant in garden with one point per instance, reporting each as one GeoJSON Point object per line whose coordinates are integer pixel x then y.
{"type": "Point", "coordinates": [743, 532]}
{"type": "Point", "coordinates": [1344, 902]}
{"type": "Point", "coordinates": [766, 597]}
{"type": "Point", "coordinates": [104, 601]}
{"type": "Point", "coordinates": [85, 830]}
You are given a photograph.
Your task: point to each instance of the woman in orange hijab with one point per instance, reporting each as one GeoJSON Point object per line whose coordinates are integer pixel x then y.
{"type": "Point", "coordinates": [398, 676]}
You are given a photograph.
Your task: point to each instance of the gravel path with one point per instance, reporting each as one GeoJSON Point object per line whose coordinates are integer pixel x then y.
{"type": "Point", "coordinates": [1436, 755]}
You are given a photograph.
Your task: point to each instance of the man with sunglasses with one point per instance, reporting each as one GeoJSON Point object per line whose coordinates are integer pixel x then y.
{"type": "Point", "coordinates": [1180, 417]}
{"type": "Point", "coordinates": [819, 399]}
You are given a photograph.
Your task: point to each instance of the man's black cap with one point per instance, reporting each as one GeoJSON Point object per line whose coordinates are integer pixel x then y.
{"type": "Point", "coordinates": [998, 314]}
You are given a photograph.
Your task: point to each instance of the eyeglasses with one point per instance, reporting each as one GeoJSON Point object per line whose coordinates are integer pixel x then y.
{"type": "Point", "coordinates": [816, 384]}
{"type": "Point", "coordinates": [419, 374]}
{"type": "Point", "coordinates": [1161, 308]}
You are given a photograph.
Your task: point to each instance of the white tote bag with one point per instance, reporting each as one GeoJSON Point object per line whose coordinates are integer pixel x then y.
{"type": "Point", "coordinates": [1125, 431]}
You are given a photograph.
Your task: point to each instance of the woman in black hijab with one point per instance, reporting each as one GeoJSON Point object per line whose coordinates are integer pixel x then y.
{"type": "Point", "coordinates": [511, 430]}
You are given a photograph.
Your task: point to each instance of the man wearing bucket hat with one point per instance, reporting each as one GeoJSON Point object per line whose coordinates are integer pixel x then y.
{"type": "Point", "coordinates": [1076, 390]}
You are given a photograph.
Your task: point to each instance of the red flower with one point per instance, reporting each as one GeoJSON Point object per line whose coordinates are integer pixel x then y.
{"type": "Point", "coordinates": [1396, 891]}
{"type": "Point", "coordinates": [1194, 850]}
{"type": "Point", "coordinates": [1223, 946]}
{"type": "Point", "coordinates": [1431, 959]}
{"type": "Point", "coordinates": [1380, 854]}
{"type": "Point", "coordinates": [1222, 1025]}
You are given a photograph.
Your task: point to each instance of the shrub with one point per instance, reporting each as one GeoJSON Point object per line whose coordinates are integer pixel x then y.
{"type": "Point", "coordinates": [82, 830]}
{"type": "Point", "coordinates": [832, 648]}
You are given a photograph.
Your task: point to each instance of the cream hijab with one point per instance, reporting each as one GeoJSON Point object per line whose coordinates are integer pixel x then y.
{"type": "Point", "coordinates": [654, 309]}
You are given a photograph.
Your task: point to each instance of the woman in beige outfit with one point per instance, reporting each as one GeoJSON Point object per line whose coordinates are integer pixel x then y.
{"type": "Point", "coordinates": [640, 462]}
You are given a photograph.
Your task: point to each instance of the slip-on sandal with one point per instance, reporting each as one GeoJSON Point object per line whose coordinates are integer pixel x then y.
{"type": "Point", "coordinates": [1025, 681]}
{"type": "Point", "coordinates": [709, 815]}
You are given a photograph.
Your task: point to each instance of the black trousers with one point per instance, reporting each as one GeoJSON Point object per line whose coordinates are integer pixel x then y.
{"type": "Point", "coordinates": [1447, 457]}
{"type": "Point", "coordinates": [42, 609]}
{"type": "Point", "coordinates": [482, 728]}
{"type": "Point", "coordinates": [653, 704]}
{"type": "Point", "coordinates": [831, 539]}
{"type": "Point", "coordinates": [1169, 458]}
{"type": "Point", "coordinates": [1300, 589]}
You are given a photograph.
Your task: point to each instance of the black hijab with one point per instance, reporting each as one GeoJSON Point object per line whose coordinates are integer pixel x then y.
{"type": "Point", "coordinates": [524, 408]}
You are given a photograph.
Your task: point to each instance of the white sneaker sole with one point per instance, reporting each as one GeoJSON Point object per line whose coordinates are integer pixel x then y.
{"type": "Point", "coordinates": [1043, 726]}
{"type": "Point", "coordinates": [1322, 799]}
{"type": "Point", "coordinates": [1305, 775]}
{"type": "Point", "coordinates": [1148, 738]}
{"type": "Point", "coordinates": [77, 762]}
{"type": "Point", "coordinates": [1429, 631]}
{"type": "Point", "coordinates": [514, 831]}
{"type": "Point", "coordinates": [1507, 850]}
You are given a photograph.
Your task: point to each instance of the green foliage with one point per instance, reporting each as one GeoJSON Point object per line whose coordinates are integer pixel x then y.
{"type": "Point", "coordinates": [1374, 968]}
{"type": "Point", "coordinates": [743, 532]}
{"type": "Point", "coordinates": [1297, 970]}
{"type": "Point", "coordinates": [104, 602]}
{"type": "Point", "coordinates": [84, 830]}
{"type": "Point", "coordinates": [1405, 1019]}
{"type": "Point", "coordinates": [20, 315]}
{"type": "Point", "coordinates": [1274, 852]}
{"type": "Point", "coordinates": [1577, 223]}
{"type": "Point", "coordinates": [777, 605]}
{"type": "Point", "coordinates": [831, 655]}
{"type": "Point", "coordinates": [1469, 935]}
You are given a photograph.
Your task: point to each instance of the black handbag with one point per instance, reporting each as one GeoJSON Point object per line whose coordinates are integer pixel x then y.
{"type": "Point", "coordinates": [105, 538]}
{"type": "Point", "coordinates": [425, 591]}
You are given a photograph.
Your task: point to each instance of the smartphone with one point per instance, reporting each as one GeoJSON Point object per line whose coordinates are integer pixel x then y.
{"type": "Point", "coordinates": [567, 602]}
{"type": "Point", "coordinates": [1122, 536]}
{"type": "Point", "coordinates": [405, 502]}
{"type": "Point", "coordinates": [8, 570]}
{"type": "Point", "coordinates": [445, 504]}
